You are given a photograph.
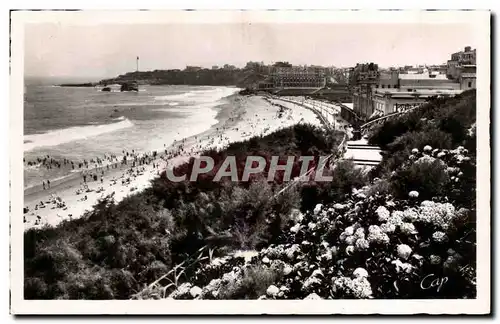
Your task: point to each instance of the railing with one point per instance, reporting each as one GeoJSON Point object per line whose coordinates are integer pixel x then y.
{"type": "Point", "coordinates": [388, 116]}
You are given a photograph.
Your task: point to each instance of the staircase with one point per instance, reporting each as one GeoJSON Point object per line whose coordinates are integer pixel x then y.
{"type": "Point", "coordinates": [363, 154]}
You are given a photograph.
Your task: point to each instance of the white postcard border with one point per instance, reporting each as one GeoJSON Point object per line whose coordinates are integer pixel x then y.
{"type": "Point", "coordinates": [478, 19]}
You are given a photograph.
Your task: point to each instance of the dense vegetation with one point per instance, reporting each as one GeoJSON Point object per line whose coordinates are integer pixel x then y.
{"type": "Point", "coordinates": [358, 236]}
{"type": "Point", "coordinates": [409, 233]}
{"type": "Point", "coordinates": [441, 124]}
{"type": "Point", "coordinates": [115, 249]}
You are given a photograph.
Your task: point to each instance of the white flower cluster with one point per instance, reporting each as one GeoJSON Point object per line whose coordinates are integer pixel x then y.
{"type": "Point", "coordinates": [404, 251]}
{"type": "Point", "coordinates": [413, 194]}
{"type": "Point", "coordinates": [355, 239]}
{"type": "Point", "coordinates": [397, 219]}
{"type": "Point", "coordinates": [383, 213]}
{"type": "Point", "coordinates": [439, 237]}
{"type": "Point", "coordinates": [358, 287]}
{"type": "Point", "coordinates": [408, 228]}
{"type": "Point", "coordinates": [375, 235]}
{"type": "Point", "coordinates": [439, 214]}
{"type": "Point", "coordinates": [426, 159]}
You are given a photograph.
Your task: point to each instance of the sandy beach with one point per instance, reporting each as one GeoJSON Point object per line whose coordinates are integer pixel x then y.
{"type": "Point", "coordinates": [243, 118]}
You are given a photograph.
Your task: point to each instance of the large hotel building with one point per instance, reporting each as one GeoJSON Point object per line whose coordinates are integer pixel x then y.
{"type": "Point", "coordinates": [379, 93]}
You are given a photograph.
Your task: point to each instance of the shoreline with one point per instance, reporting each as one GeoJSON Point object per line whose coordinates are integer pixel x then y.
{"type": "Point", "coordinates": [115, 165]}
{"type": "Point", "coordinates": [239, 118]}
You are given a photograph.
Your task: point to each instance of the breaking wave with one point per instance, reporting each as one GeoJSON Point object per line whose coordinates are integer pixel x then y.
{"type": "Point", "coordinates": [66, 135]}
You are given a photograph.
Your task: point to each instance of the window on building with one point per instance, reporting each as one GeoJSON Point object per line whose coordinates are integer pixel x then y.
{"type": "Point", "coordinates": [383, 86]}
{"type": "Point", "coordinates": [470, 84]}
{"type": "Point", "coordinates": [410, 90]}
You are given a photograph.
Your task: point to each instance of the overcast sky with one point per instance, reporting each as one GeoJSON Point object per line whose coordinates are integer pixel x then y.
{"type": "Point", "coordinates": [108, 50]}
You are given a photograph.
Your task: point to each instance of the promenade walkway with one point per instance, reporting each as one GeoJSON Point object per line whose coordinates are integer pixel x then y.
{"type": "Point", "coordinates": [362, 153]}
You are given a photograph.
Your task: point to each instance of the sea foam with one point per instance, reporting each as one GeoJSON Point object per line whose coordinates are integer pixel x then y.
{"type": "Point", "coordinates": [66, 135]}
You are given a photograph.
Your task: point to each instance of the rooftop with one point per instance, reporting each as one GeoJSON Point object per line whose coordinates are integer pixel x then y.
{"type": "Point", "coordinates": [422, 76]}
{"type": "Point", "coordinates": [423, 92]}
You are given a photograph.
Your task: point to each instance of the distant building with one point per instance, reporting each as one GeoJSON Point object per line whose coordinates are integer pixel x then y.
{"type": "Point", "coordinates": [466, 57]}
{"type": "Point", "coordinates": [386, 101]}
{"type": "Point", "coordinates": [215, 67]}
{"type": "Point", "coordinates": [426, 80]}
{"type": "Point", "coordinates": [192, 68]}
{"type": "Point", "coordinates": [298, 77]}
{"type": "Point", "coordinates": [395, 92]}
{"type": "Point", "coordinates": [467, 77]}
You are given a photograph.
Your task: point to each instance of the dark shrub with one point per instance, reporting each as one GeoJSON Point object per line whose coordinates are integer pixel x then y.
{"type": "Point", "coordinates": [428, 178]}
{"type": "Point", "coordinates": [255, 281]}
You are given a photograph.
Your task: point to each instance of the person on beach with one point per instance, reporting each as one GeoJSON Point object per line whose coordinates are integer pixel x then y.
{"type": "Point", "coordinates": [48, 184]}
{"type": "Point", "coordinates": [43, 183]}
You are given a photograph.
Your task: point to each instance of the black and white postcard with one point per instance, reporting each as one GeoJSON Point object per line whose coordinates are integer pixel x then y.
{"type": "Point", "coordinates": [250, 162]}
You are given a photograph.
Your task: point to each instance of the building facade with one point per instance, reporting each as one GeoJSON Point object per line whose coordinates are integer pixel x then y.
{"type": "Point", "coordinates": [298, 77]}
{"type": "Point", "coordinates": [395, 92]}
{"type": "Point", "coordinates": [466, 57]}
{"type": "Point", "coordinates": [397, 100]}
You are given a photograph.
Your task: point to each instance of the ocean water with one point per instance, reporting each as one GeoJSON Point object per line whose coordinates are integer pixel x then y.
{"type": "Point", "coordinates": [83, 123]}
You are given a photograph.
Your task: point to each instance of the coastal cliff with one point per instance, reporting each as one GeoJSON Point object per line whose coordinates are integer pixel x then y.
{"type": "Point", "coordinates": [213, 77]}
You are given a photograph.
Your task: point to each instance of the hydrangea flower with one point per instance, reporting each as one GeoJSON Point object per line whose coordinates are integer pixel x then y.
{"type": "Point", "coordinates": [378, 237]}
{"type": "Point", "coordinates": [360, 233]}
{"type": "Point", "coordinates": [317, 209]}
{"type": "Point", "coordinates": [427, 203]}
{"type": "Point", "coordinates": [414, 151]}
{"type": "Point", "coordinates": [383, 213]}
{"type": "Point", "coordinates": [439, 237]}
{"type": "Point", "coordinates": [374, 229]}
{"type": "Point", "coordinates": [272, 290]}
{"type": "Point", "coordinates": [349, 250]}
{"type": "Point", "coordinates": [362, 244]}
{"type": "Point", "coordinates": [435, 259]}
{"type": "Point", "coordinates": [408, 228]}
{"type": "Point", "coordinates": [295, 228]}
{"type": "Point", "coordinates": [358, 287]}
{"type": "Point", "coordinates": [404, 251]}
{"type": "Point", "coordinates": [410, 215]}
{"type": "Point", "coordinates": [349, 230]}
{"type": "Point", "coordinates": [426, 159]}
{"type": "Point", "coordinates": [396, 219]}
{"type": "Point", "coordinates": [388, 228]}
{"type": "Point", "coordinates": [427, 148]}
{"type": "Point", "coordinates": [350, 240]}
{"type": "Point", "coordinates": [360, 273]}
{"type": "Point", "coordinates": [441, 155]}
{"type": "Point", "coordinates": [413, 194]}
{"type": "Point", "coordinates": [311, 226]}
{"type": "Point", "coordinates": [361, 288]}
